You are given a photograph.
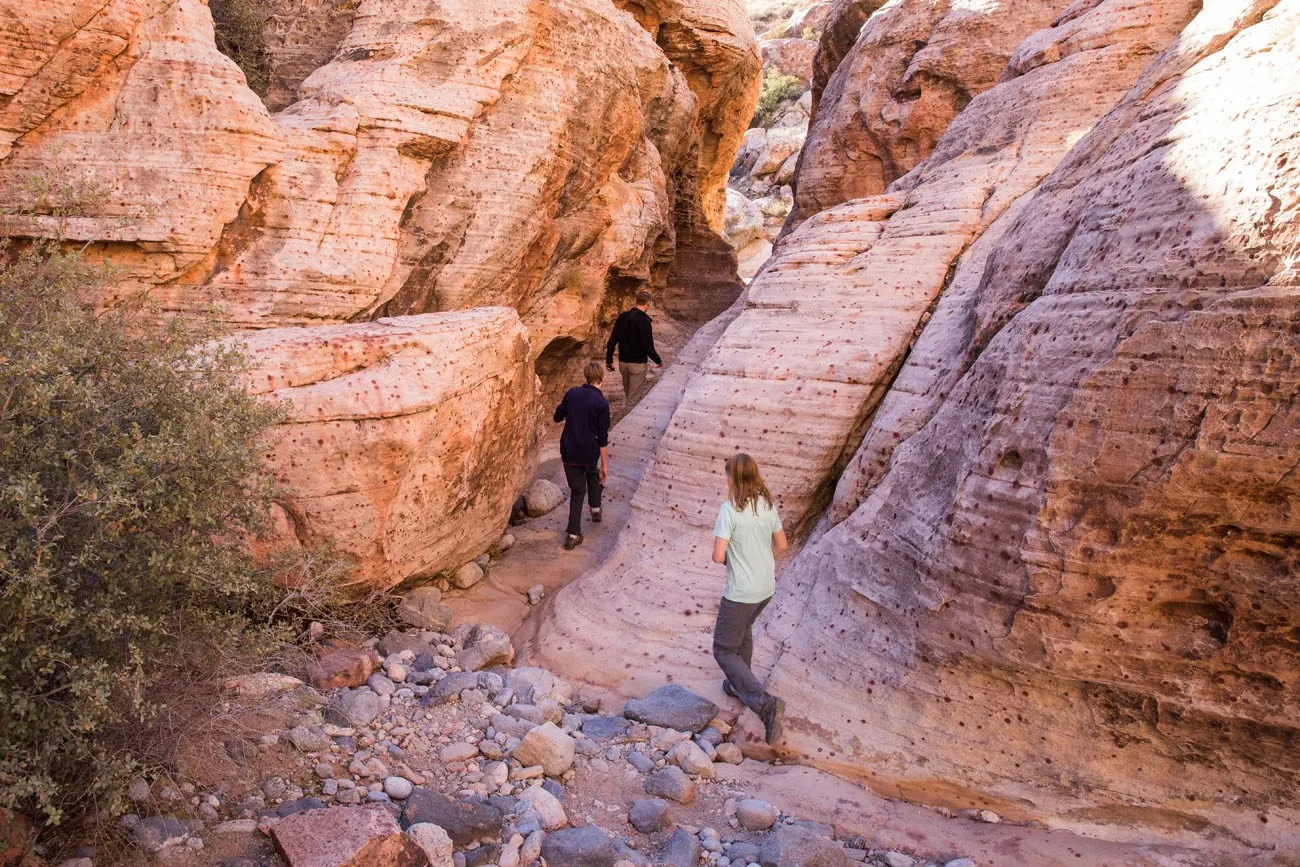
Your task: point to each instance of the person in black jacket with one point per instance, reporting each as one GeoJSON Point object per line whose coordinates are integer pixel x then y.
{"type": "Point", "coordinates": [634, 337]}
{"type": "Point", "coordinates": [584, 448]}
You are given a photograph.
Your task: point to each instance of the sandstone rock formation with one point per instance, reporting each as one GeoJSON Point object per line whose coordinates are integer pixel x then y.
{"type": "Point", "coordinates": [914, 66]}
{"type": "Point", "coordinates": [1088, 361]}
{"type": "Point", "coordinates": [450, 154]}
{"type": "Point", "coordinates": [403, 454]}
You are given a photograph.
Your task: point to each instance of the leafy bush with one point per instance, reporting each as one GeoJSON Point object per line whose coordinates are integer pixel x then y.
{"type": "Point", "coordinates": [129, 482]}
{"type": "Point", "coordinates": [777, 89]}
{"type": "Point", "coordinates": [241, 35]}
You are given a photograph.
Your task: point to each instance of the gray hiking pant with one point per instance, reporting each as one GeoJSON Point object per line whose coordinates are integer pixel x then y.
{"type": "Point", "coordinates": [733, 648]}
{"type": "Point", "coordinates": [633, 379]}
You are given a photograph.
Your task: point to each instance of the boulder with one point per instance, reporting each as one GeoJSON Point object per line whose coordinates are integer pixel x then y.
{"type": "Point", "coordinates": [154, 833]}
{"type": "Point", "coordinates": [396, 641]}
{"type": "Point", "coordinates": [587, 846]}
{"type": "Point", "coordinates": [673, 707]}
{"type": "Point", "coordinates": [422, 608]}
{"type": "Point", "coordinates": [546, 745]}
{"type": "Point", "coordinates": [549, 810]}
{"type": "Point", "coordinates": [353, 707]}
{"type": "Point", "coordinates": [467, 576]}
{"type": "Point", "coordinates": [671, 783]}
{"type": "Point", "coordinates": [464, 819]}
{"type": "Point", "coordinates": [682, 850]}
{"type": "Point", "coordinates": [435, 843]}
{"type": "Point", "coordinates": [795, 847]}
{"type": "Point", "coordinates": [744, 219]}
{"type": "Point", "coordinates": [543, 496]}
{"type": "Point", "coordinates": [756, 815]}
{"type": "Point", "coordinates": [341, 667]}
{"type": "Point", "coordinates": [606, 728]}
{"type": "Point", "coordinates": [483, 645]}
{"type": "Point", "coordinates": [366, 836]}
{"type": "Point", "coordinates": [649, 815]}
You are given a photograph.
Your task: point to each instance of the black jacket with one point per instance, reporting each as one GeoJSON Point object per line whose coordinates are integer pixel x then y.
{"type": "Point", "coordinates": [634, 337]}
{"type": "Point", "coordinates": [585, 414]}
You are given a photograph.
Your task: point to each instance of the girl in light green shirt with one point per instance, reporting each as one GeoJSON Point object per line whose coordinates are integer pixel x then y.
{"type": "Point", "coordinates": [747, 536]}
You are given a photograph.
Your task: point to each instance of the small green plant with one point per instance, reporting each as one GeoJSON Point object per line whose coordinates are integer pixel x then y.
{"type": "Point", "coordinates": [240, 27]}
{"type": "Point", "coordinates": [777, 89]}
{"type": "Point", "coordinates": [810, 33]}
{"type": "Point", "coordinates": [130, 481]}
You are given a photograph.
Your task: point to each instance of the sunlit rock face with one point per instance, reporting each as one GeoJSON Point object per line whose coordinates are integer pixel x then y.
{"type": "Point", "coordinates": [405, 439]}
{"type": "Point", "coordinates": [1034, 406]}
{"type": "Point", "coordinates": [435, 155]}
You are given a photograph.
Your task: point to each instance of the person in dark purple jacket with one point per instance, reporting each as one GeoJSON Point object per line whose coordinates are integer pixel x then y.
{"type": "Point", "coordinates": [584, 448]}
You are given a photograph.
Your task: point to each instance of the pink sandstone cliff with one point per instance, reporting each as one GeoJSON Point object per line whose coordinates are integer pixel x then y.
{"type": "Point", "coordinates": [1057, 360]}
{"type": "Point", "coordinates": [550, 156]}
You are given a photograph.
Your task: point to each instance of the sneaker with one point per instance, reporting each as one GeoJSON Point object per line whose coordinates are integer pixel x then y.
{"type": "Point", "coordinates": [595, 516]}
{"type": "Point", "coordinates": [729, 689]}
{"type": "Point", "coordinates": [572, 541]}
{"type": "Point", "coordinates": [772, 717]}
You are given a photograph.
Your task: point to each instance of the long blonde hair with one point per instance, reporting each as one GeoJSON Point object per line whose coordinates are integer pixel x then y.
{"type": "Point", "coordinates": [744, 484]}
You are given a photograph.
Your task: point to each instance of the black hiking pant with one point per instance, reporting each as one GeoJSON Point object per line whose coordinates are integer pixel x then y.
{"type": "Point", "coordinates": [584, 483]}
{"type": "Point", "coordinates": [733, 648]}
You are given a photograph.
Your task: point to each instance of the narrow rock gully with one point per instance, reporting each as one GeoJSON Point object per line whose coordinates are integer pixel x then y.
{"type": "Point", "coordinates": [871, 829]}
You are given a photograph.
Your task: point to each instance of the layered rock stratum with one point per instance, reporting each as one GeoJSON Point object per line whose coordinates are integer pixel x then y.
{"type": "Point", "coordinates": [1030, 396]}
{"type": "Point", "coordinates": [551, 156]}
{"type": "Point", "coordinates": [432, 156]}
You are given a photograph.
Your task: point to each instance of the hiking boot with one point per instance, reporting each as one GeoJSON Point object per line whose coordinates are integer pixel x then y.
{"type": "Point", "coordinates": [595, 516]}
{"type": "Point", "coordinates": [729, 689]}
{"type": "Point", "coordinates": [572, 541]}
{"type": "Point", "coordinates": [772, 717]}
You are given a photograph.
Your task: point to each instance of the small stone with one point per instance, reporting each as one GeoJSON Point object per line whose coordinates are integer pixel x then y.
{"type": "Point", "coordinates": [649, 815]}
{"type": "Point", "coordinates": [683, 849]}
{"type": "Point", "coordinates": [309, 739]}
{"type": "Point", "coordinates": [988, 816]}
{"type": "Point", "coordinates": [423, 608]}
{"type": "Point", "coordinates": [960, 862]}
{"type": "Point", "coordinates": [587, 846]}
{"type": "Point", "coordinates": [336, 834]}
{"type": "Point", "coordinates": [435, 843]}
{"type": "Point", "coordinates": [541, 497]}
{"type": "Point", "coordinates": [353, 707]}
{"type": "Point", "coordinates": [158, 832]}
{"type": "Point", "coordinates": [504, 544]}
{"type": "Point", "coordinates": [398, 788]}
{"type": "Point", "coordinates": [532, 848]}
{"type": "Point", "coordinates": [138, 789]}
{"type": "Point", "coordinates": [547, 745]}
{"type": "Point", "coordinates": [671, 783]}
{"type": "Point", "coordinates": [756, 815]}
{"type": "Point", "coordinates": [380, 684]}
{"type": "Point", "coordinates": [495, 775]}
{"type": "Point", "coordinates": [729, 753]}
{"type": "Point", "coordinates": [898, 859]}
{"type": "Point", "coordinates": [549, 810]}
{"type": "Point", "coordinates": [464, 820]}
{"type": "Point", "coordinates": [672, 706]}
{"type": "Point", "coordinates": [344, 666]}
{"type": "Point", "coordinates": [640, 761]}
{"type": "Point", "coordinates": [467, 575]}
{"type": "Point", "coordinates": [795, 847]}
{"type": "Point", "coordinates": [484, 645]}
{"type": "Point", "coordinates": [457, 752]}
{"type": "Point", "coordinates": [688, 756]}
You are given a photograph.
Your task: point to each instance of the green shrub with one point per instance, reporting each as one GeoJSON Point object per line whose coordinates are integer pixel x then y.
{"type": "Point", "coordinates": [778, 89]}
{"type": "Point", "coordinates": [241, 35]}
{"type": "Point", "coordinates": [129, 482]}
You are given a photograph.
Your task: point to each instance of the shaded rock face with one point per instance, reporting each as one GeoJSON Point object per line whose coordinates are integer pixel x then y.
{"type": "Point", "coordinates": [404, 455]}
{"type": "Point", "coordinates": [430, 156]}
{"type": "Point", "coordinates": [1054, 365]}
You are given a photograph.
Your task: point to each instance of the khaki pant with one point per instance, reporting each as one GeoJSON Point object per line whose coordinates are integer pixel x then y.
{"type": "Point", "coordinates": [633, 379]}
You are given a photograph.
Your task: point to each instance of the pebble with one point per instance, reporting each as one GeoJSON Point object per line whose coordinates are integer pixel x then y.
{"type": "Point", "coordinates": [398, 788]}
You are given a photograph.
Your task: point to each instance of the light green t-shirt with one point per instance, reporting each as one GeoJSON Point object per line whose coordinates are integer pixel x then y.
{"type": "Point", "coordinates": [751, 568]}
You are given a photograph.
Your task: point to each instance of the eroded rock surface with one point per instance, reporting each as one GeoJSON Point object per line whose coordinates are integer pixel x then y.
{"type": "Point", "coordinates": [1053, 580]}
{"type": "Point", "coordinates": [406, 438]}
{"type": "Point", "coordinates": [550, 156]}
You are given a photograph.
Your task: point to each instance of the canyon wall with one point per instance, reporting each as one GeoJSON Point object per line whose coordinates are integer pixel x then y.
{"type": "Point", "coordinates": [550, 156]}
{"type": "Point", "coordinates": [546, 155]}
{"type": "Point", "coordinates": [1033, 405]}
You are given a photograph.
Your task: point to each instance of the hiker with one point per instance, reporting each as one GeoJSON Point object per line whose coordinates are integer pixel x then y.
{"type": "Point", "coordinates": [747, 536]}
{"type": "Point", "coordinates": [634, 336]}
{"type": "Point", "coordinates": [584, 448]}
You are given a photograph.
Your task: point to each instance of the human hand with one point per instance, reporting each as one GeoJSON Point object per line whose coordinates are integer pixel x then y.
{"type": "Point", "coordinates": [604, 473]}
{"type": "Point", "coordinates": [609, 367]}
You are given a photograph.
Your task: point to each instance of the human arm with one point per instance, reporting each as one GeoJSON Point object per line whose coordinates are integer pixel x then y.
{"type": "Point", "coordinates": [720, 549]}
{"type": "Point", "coordinates": [561, 412]}
{"type": "Point", "coordinates": [604, 464]}
{"type": "Point", "coordinates": [650, 345]}
{"type": "Point", "coordinates": [779, 543]}
{"type": "Point", "coordinates": [614, 337]}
